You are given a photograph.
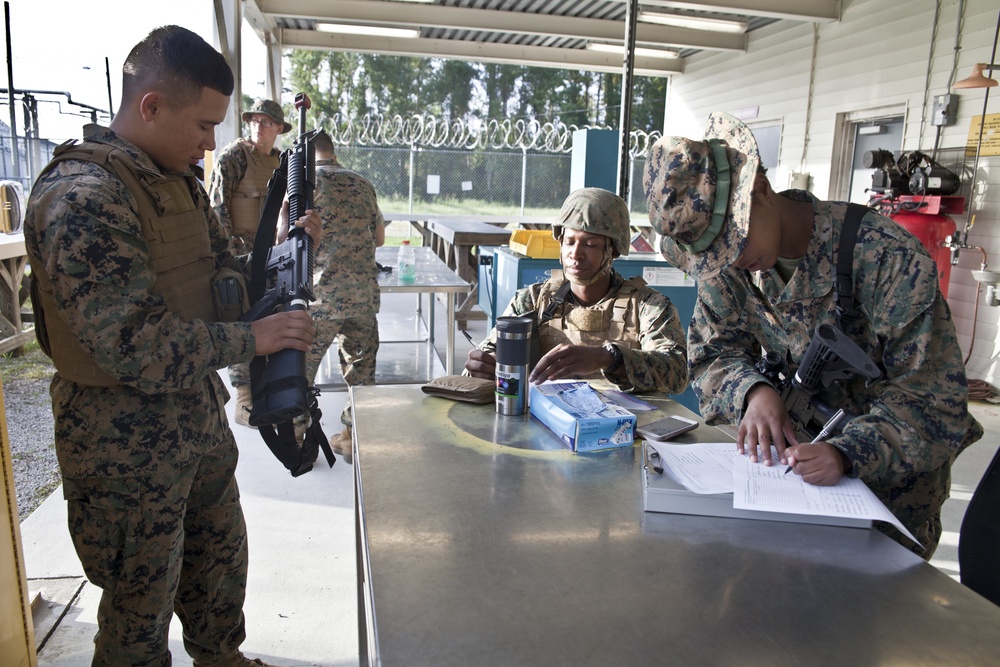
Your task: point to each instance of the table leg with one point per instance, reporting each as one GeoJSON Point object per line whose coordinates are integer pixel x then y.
{"type": "Point", "coordinates": [450, 352]}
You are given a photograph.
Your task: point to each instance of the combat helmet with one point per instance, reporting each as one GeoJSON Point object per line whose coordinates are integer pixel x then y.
{"type": "Point", "coordinates": [596, 211]}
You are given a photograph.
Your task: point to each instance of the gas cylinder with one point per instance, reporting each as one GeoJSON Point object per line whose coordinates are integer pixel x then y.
{"type": "Point", "coordinates": [931, 229]}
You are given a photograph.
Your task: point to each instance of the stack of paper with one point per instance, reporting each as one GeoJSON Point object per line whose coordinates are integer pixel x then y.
{"type": "Point", "coordinates": [714, 479]}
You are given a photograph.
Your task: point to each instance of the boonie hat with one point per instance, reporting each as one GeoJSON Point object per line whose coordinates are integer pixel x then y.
{"type": "Point", "coordinates": [268, 108]}
{"type": "Point", "coordinates": [699, 193]}
{"type": "Point", "coordinates": [596, 211]}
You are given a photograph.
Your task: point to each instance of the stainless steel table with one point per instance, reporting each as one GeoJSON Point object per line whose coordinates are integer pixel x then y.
{"type": "Point", "coordinates": [433, 277]}
{"type": "Point", "coordinates": [523, 553]}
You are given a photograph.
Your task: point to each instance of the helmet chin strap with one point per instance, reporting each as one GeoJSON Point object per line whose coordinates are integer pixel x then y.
{"type": "Point", "coordinates": [603, 271]}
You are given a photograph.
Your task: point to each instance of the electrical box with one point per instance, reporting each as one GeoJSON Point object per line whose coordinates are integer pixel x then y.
{"type": "Point", "coordinates": [944, 109]}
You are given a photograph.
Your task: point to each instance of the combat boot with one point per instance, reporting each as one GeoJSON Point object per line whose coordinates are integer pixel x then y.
{"type": "Point", "coordinates": [341, 444]}
{"type": "Point", "coordinates": [244, 403]}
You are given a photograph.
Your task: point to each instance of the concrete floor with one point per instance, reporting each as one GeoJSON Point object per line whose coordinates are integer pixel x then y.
{"type": "Point", "coordinates": [301, 598]}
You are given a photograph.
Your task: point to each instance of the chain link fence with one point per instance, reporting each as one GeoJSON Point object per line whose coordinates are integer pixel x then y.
{"type": "Point", "coordinates": [516, 169]}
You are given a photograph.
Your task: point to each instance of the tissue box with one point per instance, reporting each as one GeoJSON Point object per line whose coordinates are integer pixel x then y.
{"type": "Point", "coordinates": [580, 416]}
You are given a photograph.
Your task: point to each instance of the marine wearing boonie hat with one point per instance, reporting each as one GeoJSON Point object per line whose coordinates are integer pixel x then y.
{"type": "Point", "coordinates": [699, 193]}
{"type": "Point", "coordinates": [268, 108]}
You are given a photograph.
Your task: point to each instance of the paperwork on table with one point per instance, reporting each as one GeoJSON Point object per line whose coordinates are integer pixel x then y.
{"type": "Point", "coordinates": [717, 467]}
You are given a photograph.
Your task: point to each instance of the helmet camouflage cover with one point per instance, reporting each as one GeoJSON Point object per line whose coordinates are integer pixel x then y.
{"type": "Point", "coordinates": [596, 211]}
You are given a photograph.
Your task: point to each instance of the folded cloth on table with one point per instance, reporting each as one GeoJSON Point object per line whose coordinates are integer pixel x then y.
{"type": "Point", "coordinates": [462, 388]}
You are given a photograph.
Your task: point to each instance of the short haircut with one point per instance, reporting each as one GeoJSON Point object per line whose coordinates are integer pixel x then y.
{"type": "Point", "coordinates": [323, 142]}
{"type": "Point", "coordinates": [177, 62]}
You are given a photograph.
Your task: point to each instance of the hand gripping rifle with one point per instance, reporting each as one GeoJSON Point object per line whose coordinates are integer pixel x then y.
{"type": "Point", "coordinates": [281, 279]}
{"type": "Point", "coordinates": [830, 357]}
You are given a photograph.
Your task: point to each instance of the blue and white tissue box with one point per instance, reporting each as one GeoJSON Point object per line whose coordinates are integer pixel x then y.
{"type": "Point", "coordinates": [581, 417]}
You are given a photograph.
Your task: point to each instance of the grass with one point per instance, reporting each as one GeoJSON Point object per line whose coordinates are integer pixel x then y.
{"type": "Point", "coordinates": [32, 364]}
{"type": "Point", "coordinates": [470, 207]}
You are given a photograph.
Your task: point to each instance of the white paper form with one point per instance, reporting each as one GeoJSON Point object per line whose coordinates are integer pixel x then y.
{"type": "Point", "coordinates": [705, 467]}
{"type": "Point", "coordinates": [769, 489]}
{"type": "Point", "coordinates": [717, 467]}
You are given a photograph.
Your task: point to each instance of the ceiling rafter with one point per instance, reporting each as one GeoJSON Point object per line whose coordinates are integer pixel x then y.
{"type": "Point", "coordinates": [400, 14]}
{"type": "Point", "coordinates": [540, 56]}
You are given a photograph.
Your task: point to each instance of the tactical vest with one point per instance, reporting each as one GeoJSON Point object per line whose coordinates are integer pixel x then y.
{"type": "Point", "coordinates": [614, 319]}
{"type": "Point", "coordinates": [180, 255]}
{"type": "Point", "coordinates": [248, 198]}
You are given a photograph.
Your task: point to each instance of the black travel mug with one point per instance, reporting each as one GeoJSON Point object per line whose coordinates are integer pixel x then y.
{"type": "Point", "coordinates": [513, 357]}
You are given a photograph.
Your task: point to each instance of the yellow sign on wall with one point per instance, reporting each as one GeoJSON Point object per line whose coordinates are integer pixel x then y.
{"type": "Point", "coordinates": [991, 136]}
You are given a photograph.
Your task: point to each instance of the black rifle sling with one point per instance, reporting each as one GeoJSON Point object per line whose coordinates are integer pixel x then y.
{"type": "Point", "coordinates": [847, 310]}
{"type": "Point", "coordinates": [557, 300]}
{"type": "Point", "coordinates": [266, 229]}
{"type": "Point", "coordinates": [280, 439]}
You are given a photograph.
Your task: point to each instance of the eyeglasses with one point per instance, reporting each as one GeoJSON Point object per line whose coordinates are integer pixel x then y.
{"type": "Point", "coordinates": [263, 122]}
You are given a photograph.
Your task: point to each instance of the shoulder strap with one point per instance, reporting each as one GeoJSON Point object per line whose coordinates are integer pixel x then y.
{"type": "Point", "coordinates": [844, 282]}
{"type": "Point", "coordinates": [555, 302]}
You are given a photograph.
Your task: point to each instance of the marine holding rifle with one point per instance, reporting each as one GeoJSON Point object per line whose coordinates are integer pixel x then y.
{"type": "Point", "coordinates": [592, 322]}
{"type": "Point", "coordinates": [125, 254]}
{"type": "Point", "coordinates": [767, 270]}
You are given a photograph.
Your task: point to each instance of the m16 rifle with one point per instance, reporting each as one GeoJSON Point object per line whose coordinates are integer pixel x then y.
{"type": "Point", "coordinates": [830, 357]}
{"type": "Point", "coordinates": [281, 279]}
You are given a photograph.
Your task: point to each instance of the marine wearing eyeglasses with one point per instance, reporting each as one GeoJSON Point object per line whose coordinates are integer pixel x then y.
{"type": "Point", "coordinates": [237, 190]}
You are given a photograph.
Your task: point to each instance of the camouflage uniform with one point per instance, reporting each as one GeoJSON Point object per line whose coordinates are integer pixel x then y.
{"type": "Point", "coordinates": [347, 293]}
{"type": "Point", "coordinates": [230, 169]}
{"type": "Point", "coordinates": [148, 463]}
{"type": "Point", "coordinates": [659, 362]}
{"type": "Point", "coordinates": [913, 421]}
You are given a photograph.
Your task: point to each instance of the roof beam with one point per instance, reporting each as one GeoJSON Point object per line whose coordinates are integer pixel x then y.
{"type": "Point", "coordinates": [817, 11]}
{"type": "Point", "coordinates": [539, 56]}
{"type": "Point", "coordinates": [459, 18]}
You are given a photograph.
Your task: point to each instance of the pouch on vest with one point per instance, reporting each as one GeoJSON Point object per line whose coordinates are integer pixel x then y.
{"type": "Point", "coordinates": [229, 294]}
{"type": "Point", "coordinates": [550, 310]}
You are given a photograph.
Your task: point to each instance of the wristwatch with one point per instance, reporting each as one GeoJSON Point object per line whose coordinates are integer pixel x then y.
{"type": "Point", "coordinates": [617, 361]}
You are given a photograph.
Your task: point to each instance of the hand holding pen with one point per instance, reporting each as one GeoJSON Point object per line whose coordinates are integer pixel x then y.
{"type": "Point", "coordinates": [480, 364]}
{"type": "Point", "coordinates": [825, 464]}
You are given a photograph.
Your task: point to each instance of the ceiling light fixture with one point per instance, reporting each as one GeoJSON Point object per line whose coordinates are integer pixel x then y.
{"type": "Point", "coordinates": [639, 51]}
{"type": "Point", "coordinates": [371, 30]}
{"type": "Point", "coordinates": [693, 22]}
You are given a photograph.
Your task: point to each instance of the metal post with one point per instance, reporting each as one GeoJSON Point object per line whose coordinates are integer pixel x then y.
{"type": "Point", "coordinates": [107, 76]}
{"type": "Point", "coordinates": [625, 120]}
{"type": "Point", "coordinates": [524, 175]}
{"type": "Point", "coordinates": [15, 154]}
{"type": "Point", "coordinates": [412, 149]}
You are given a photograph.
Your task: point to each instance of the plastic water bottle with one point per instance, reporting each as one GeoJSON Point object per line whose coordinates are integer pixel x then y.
{"type": "Point", "coordinates": [407, 263]}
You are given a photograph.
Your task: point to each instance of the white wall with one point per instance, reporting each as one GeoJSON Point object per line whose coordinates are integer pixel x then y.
{"type": "Point", "coordinates": [882, 55]}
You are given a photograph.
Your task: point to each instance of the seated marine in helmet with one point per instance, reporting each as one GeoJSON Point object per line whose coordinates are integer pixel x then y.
{"type": "Point", "coordinates": [592, 322]}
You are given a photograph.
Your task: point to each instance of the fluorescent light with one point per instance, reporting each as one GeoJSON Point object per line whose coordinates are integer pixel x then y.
{"type": "Point", "coordinates": [693, 22]}
{"type": "Point", "coordinates": [372, 30]}
{"type": "Point", "coordinates": [639, 51]}
{"type": "Point", "coordinates": [871, 129]}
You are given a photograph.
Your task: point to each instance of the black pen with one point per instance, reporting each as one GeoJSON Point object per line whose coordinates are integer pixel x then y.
{"type": "Point", "coordinates": [825, 431]}
{"type": "Point", "coordinates": [469, 338]}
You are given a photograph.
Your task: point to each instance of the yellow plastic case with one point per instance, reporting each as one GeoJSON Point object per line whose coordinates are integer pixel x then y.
{"type": "Point", "coordinates": [536, 243]}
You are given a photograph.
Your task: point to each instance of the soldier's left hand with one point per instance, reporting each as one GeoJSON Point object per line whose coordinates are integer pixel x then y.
{"type": "Point", "coordinates": [312, 224]}
{"type": "Point", "coordinates": [569, 361]}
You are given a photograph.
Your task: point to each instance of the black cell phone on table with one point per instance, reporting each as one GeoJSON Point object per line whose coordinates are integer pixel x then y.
{"type": "Point", "coordinates": [666, 428]}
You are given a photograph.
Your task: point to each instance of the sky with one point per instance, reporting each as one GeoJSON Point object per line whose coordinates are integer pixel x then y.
{"type": "Point", "coordinates": [61, 45]}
